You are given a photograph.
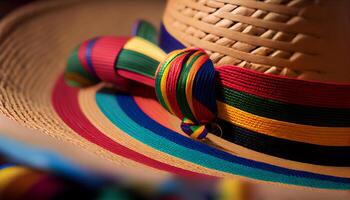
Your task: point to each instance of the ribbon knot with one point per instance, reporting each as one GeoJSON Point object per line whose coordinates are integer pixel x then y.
{"type": "Point", "coordinates": [185, 86]}
{"type": "Point", "coordinates": [184, 79]}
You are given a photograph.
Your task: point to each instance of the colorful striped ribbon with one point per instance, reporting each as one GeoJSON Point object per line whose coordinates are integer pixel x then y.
{"type": "Point", "coordinates": [256, 110]}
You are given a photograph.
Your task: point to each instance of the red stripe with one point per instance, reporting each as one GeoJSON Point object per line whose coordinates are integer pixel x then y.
{"type": "Point", "coordinates": [285, 89]}
{"type": "Point", "coordinates": [136, 77]}
{"type": "Point", "coordinates": [82, 57]}
{"type": "Point", "coordinates": [172, 81]}
{"type": "Point", "coordinates": [104, 55]}
{"type": "Point", "coordinates": [65, 102]}
{"type": "Point", "coordinates": [46, 188]}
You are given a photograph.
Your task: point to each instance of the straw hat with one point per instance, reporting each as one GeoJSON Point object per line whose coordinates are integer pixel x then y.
{"type": "Point", "coordinates": [261, 128]}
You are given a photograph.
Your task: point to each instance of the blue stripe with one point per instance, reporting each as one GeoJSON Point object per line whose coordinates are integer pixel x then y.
{"type": "Point", "coordinates": [206, 74]}
{"type": "Point", "coordinates": [128, 117]}
{"type": "Point", "coordinates": [89, 47]}
{"type": "Point", "coordinates": [7, 165]}
{"type": "Point", "coordinates": [167, 42]}
{"type": "Point", "coordinates": [46, 160]}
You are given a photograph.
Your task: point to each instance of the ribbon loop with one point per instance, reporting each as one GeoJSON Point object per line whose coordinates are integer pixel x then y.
{"type": "Point", "coordinates": [185, 86]}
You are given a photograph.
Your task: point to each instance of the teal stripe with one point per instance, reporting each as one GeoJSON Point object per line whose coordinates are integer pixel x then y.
{"type": "Point", "coordinates": [117, 116]}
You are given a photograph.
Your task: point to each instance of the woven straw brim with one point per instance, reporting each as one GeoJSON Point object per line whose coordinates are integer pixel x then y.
{"type": "Point", "coordinates": [35, 42]}
{"type": "Point", "coordinates": [34, 45]}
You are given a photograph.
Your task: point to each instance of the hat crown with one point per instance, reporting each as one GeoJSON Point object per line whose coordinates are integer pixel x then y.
{"type": "Point", "coordinates": [294, 38]}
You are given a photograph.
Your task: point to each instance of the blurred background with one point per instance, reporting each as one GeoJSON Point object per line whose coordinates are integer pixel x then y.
{"type": "Point", "coordinates": [8, 5]}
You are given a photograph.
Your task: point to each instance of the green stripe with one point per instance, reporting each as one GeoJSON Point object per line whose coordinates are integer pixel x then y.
{"type": "Point", "coordinates": [317, 116]}
{"type": "Point", "coordinates": [137, 62]}
{"type": "Point", "coordinates": [147, 31]}
{"type": "Point", "coordinates": [181, 88]}
{"type": "Point", "coordinates": [158, 79]}
{"type": "Point", "coordinates": [74, 66]}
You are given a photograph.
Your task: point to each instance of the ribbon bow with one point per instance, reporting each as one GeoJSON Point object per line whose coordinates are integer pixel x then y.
{"type": "Point", "coordinates": [184, 80]}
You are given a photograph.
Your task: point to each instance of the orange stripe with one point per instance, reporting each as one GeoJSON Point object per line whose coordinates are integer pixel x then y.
{"type": "Point", "coordinates": [329, 136]}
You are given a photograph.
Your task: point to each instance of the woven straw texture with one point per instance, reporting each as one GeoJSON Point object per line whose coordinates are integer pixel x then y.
{"type": "Point", "coordinates": [286, 37]}
{"type": "Point", "coordinates": [35, 43]}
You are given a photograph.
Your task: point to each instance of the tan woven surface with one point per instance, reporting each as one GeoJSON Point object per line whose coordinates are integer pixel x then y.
{"type": "Point", "coordinates": [285, 37]}
{"type": "Point", "coordinates": [34, 45]}
{"type": "Point", "coordinates": [89, 161]}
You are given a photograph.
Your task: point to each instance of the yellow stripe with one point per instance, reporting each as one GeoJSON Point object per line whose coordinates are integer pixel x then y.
{"type": "Point", "coordinates": [330, 136]}
{"type": "Point", "coordinates": [190, 80]}
{"type": "Point", "coordinates": [145, 47]}
{"type": "Point", "coordinates": [8, 174]}
{"type": "Point", "coordinates": [163, 81]}
{"type": "Point", "coordinates": [197, 132]}
{"type": "Point", "coordinates": [163, 84]}
{"type": "Point", "coordinates": [77, 78]}
{"type": "Point", "coordinates": [232, 189]}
